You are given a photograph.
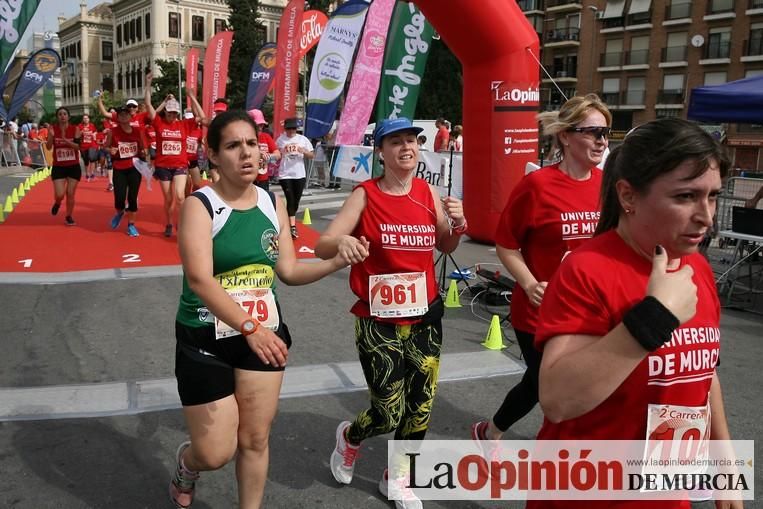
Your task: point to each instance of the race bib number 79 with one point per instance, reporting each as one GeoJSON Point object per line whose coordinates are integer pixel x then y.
{"type": "Point", "coordinates": [259, 303]}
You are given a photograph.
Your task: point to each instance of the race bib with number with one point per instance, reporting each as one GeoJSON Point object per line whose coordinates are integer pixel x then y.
{"type": "Point", "coordinates": [250, 287]}
{"type": "Point", "coordinates": [191, 145]}
{"type": "Point", "coordinates": [87, 136]}
{"type": "Point", "coordinates": [259, 303]}
{"type": "Point", "coordinates": [66, 154]}
{"type": "Point", "coordinates": [398, 295]}
{"type": "Point", "coordinates": [127, 149]}
{"type": "Point", "coordinates": [171, 148]}
{"type": "Point", "coordinates": [677, 437]}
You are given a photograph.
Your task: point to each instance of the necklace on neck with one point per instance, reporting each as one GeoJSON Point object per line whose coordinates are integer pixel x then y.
{"type": "Point", "coordinates": [403, 189]}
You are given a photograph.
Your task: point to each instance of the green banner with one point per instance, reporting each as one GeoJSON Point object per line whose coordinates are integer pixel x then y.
{"type": "Point", "coordinates": [14, 18]}
{"type": "Point", "coordinates": [408, 43]}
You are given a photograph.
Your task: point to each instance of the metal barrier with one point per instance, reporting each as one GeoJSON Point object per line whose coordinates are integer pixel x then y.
{"type": "Point", "coordinates": [9, 154]}
{"type": "Point", "coordinates": [37, 155]}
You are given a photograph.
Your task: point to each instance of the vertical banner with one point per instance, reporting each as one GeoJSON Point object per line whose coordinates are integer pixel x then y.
{"type": "Point", "coordinates": [331, 65]}
{"type": "Point", "coordinates": [49, 89]}
{"type": "Point", "coordinates": [37, 71]}
{"type": "Point", "coordinates": [215, 69]}
{"type": "Point", "coordinates": [192, 72]}
{"type": "Point", "coordinates": [15, 15]}
{"type": "Point", "coordinates": [365, 75]}
{"type": "Point", "coordinates": [409, 40]}
{"type": "Point", "coordinates": [287, 65]}
{"type": "Point", "coordinates": [313, 25]}
{"type": "Point", "coordinates": [261, 76]}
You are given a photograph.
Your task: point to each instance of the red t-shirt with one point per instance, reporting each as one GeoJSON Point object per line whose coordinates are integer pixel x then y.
{"type": "Point", "coordinates": [547, 214]}
{"type": "Point", "coordinates": [402, 237]}
{"type": "Point", "coordinates": [151, 135]}
{"type": "Point", "coordinates": [193, 137]}
{"type": "Point", "coordinates": [138, 120]}
{"type": "Point", "coordinates": [129, 145]}
{"type": "Point", "coordinates": [592, 290]}
{"type": "Point", "coordinates": [170, 143]}
{"type": "Point", "coordinates": [267, 147]}
{"type": "Point", "coordinates": [88, 132]}
{"type": "Point", "coordinates": [100, 138]}
{"type": "Point", "coordinates": [441, 139]}
{"type": "Point", "coordinates": [63, 154]}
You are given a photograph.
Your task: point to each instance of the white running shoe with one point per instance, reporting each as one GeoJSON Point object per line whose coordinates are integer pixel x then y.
{"type": "Point", "coordinates": [344, 455]}
{"type": "Point", "coordinates": [404, 497]}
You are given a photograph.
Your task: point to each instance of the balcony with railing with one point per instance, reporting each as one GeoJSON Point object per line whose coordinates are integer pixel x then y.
{"type": "Point", "coordinates": [720, 6]}
{"type": "Point", "coordinates": [617, 22]}
{"type": "Point", "coordinates": [611, 59]}
{"type": "Point", "coordinates": [530, 5]}
{"type": "Point", "coordinates": [634, 97]}
{"type": "Point", "coordinates": [562, 35]}
{"type": "Point", "coordinates": [637, 57]}
{"type": "Point", "coordinates": [639, 18]}
{"type": "Point", "coordinates": [755, 4]}
{"type": "Point", "coordinates": [674, 54]}
{"type": "Point", "coordinates": [670, 96]}
{"type": "Point", "coordinates": [563, 5]}
{"type": "Point", "coordinates": [565, 73]}
{"type": "Point", "coordinates": [754, 46]}
{"type": "Point", "coordinates": [610, 98]}
{"type": "Point", "coordinates": [715, 50]}
{"type": "Point", "coordinates": [678, 10]}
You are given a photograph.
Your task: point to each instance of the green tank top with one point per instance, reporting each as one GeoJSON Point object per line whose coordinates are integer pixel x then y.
{"type": "Point", "coordinates": [244, 253]}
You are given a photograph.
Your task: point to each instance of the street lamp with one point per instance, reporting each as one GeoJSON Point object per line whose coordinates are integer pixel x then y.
{"type": "Point", "coordinates": [594, 13]}
{"type": "Point", "coordinates": [180, 67]}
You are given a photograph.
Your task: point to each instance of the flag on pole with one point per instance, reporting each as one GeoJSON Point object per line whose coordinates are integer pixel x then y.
{"type": "Point", "coordinates": [287, 65]}
{"type": "Point", "coordinates": [37, 71]}
{"type": "Point", "coordinates": [15, 15]}
{"type": "Point", "coordinates": [331, 65]}
{"type": "Point", "coordinates": [192, 72]}
{"type": "Point", "coordinates": [261, 76]}
{"type": "Point", "coordinates": [215, 69]}
{"type": "Point", "coordinates": [313, 25]}
{"type": "Point", "coordinates": [359, 103]}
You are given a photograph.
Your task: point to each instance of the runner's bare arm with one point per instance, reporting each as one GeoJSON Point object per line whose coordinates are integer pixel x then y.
{"type": "Point", "coordinates": [515, 263]}
{"type": "Point", "coordinates": [288, 268]}
{"type": "Point", "coordinates": [198, 111]}
{"type": "Point", "coordinates": [338, 239]}
{"type": "Point", "coordinates": [447, 237]}
{"type": "Point", "coordinates": [195, 246]}
{"type": "Point", "coordinates": [102, 108]}
{"type": "Point", "coordinates": [150, 111]}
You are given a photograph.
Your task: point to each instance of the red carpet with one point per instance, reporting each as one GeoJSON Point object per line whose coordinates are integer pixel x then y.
{"type": "Point", "coordinates": [32, 240]}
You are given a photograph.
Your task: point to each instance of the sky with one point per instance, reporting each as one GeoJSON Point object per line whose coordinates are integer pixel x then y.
{"type": "Point", "coordinates": [46, 17]}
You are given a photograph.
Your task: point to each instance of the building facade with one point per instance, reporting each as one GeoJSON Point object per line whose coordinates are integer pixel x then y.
{"type": "Point", "coordinates": [643, 57]}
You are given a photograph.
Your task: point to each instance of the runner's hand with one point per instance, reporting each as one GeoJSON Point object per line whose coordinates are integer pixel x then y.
{"type": "Point", "coordinates": [676, 290]}
{"type": "Point", "coordinates": [536, 291]}
{"type": "Point", "coordinates": [454, 209]}
{"type": "Point", "coordinates": [269, 348]}
{"type": "Point", "coordinates": [353, 250]}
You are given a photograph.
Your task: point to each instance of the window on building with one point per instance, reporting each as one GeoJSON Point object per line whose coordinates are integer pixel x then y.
{"type": "Point", "coordinates": [262, 33]}
{"type": "Point", "coordinates": [126, 32]}
{"type": "Point", "coordinates": [754, 44]}
{"type": "Point", "coordinates": [610, 91]}
{"type": "Point", "coordinates": [119, 36]}
{"type": "Point", "coordinates": [715, 78]}
{"type": "Point", "coordinates": [79, 49]}
{"type": "Point", "coordinates": [148, 26]}
{"type": "Point", "coordinates": [676, 50]}
{"type": "Point", "coordinates": [678, 9]}
{"type": "Point", "coordinates": [752, 73]}
{"type": "Point", "coordinates": [138, 29]}
{"type": "Point", "coordinates": [132, 30]}
{"type": "Point", "coordinates": [174, 27]}
{"type": "Point", "coordinates": [639, 53]}
{"type": "Point", "coordinates": [220, 25]}
{"type": "Point", "coordinates": [668, 113]}
{"type": "Point", "coordinates": [107, 51]}
{"type": "Point", "coordinates": [719, 43]}
{"type": "Point", "coordinates": [717, 6]}
{"type": "Point", "coordinates": [119, 80]}
{"type": "Point", "coordinates": [672, 89]}
{"type": "Point", "coordinates": [197, 28]}
{"type": "Point", "coordinates": [107, 83]}
{"type": "Point", "coordinates": [613, 53]}
{"type": "Point", "coordinates": [636, 92]}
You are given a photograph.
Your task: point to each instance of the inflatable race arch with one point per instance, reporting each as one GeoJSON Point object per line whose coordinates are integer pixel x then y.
{"type": "Point", "coordinates": [497, 48]}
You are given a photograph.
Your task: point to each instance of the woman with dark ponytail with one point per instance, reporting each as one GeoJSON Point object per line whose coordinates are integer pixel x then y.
{"type": "Point", "coordinates": [616, 314]}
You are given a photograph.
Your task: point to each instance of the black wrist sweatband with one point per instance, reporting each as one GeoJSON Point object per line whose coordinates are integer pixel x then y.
{"type": "Point", "coordinates": [650, 323]}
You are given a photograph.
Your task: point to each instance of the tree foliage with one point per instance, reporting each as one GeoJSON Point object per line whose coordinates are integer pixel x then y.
{"type": "Point", "coordinates": [167, 81]}
{"type": "Point", "coordinates": [441, 86]}
{"type": "Point", "coordinates": [249, 37]}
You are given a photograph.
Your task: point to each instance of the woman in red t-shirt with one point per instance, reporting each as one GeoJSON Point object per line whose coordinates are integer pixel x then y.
{"type": "Point", "coordinates": [125, 142]}
{"type": "Point", "coordinates": [388, 229]}
{"type": "Point", "coordinates": [66, 173]}
{"type": "Point", "coordinates": [630, 324]}
{"type": "Point", "coordinates": [550, 212]}
{"type": "Point", "coordinates": [269, 152]}
{"type": "Point", "coordinates": [171, 161]}
{"type": "Point", "coordinates": [88, 146]}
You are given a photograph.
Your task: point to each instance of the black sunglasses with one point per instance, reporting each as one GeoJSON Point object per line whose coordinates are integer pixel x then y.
{"type": "Point", "coordinates": [596, 132]}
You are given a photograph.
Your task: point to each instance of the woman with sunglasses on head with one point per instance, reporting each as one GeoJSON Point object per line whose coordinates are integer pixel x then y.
{"type": "Point", "coordinates": [630, 326]}
{"type": "Point", "coordinates": [232, 342]}
{"type": "Point", "coordinates": [550, 212]}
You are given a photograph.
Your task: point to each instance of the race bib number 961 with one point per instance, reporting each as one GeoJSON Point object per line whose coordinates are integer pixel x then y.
{"type": "Point", "coordinates": [398, 295]}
